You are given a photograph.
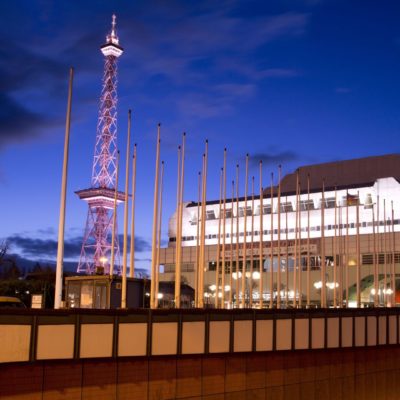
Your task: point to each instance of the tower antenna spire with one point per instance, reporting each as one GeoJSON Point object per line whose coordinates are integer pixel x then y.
{"type": "Point", "coordinates": [97, 243]}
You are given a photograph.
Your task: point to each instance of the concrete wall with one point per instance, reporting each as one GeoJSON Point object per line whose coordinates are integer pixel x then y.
{"type": "Point", "coordinates": [348, 374]}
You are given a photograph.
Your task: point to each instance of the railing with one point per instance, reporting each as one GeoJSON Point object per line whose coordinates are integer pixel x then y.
{"type": "Point", "coordinates": [34, 335]}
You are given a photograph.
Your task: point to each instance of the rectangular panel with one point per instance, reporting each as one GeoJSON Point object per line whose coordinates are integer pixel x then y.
{"type": "Point", "coordinates": [243, 336]}
{"type": "Point", "coordinates": [96, 340]}
{"type": "Point", "coordinates": [371, 331]}
{"type": "Point", "coordinates": [55, 342]}
{"type": "Point", "coordinates": [347, 332]}
{"type": "Point", "coordinates": [14, 342]}
{"type": "Point", "coordinates": [359, 327]}
{"type": "Point", "coordinates": [193, 337]}
{"type": "Point", "coordinates": [219, 336]}
{"type": "Point", "coordinates": [264, 335]}
{"type": "Point", "coordinates": [301, 328]}
{"type": "Point", "coordinates": [318, 333]}
{"type": "Point", "coordinates": [333, 333]}
{"type": "Point", "coordinates": [164, 338]}
{"type": "Point", "coordinates": [392, 329]}
{"type": "Point", "coordinates": [382, 329]}
{"type": "Point", "coordinates": [132, 339]}
{"type": "Point", "coordinates": [283, 334]}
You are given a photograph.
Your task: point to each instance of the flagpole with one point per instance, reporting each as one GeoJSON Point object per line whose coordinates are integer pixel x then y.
{"type": "Point", "coordinates": [271, 267]}
{"type": "Point", "coordinates": [323, 264]}
{"type": "Point", "coordinates": [224, 235]}
{"type": "Point", "coordinates": [63, 199]}
{"type": "Point", "coordinates": [260, 250]}
{"type": "Point", "coordinates": [358, 250]}
{"type": "Point", "coordinates": [126, 207]}
{"type": "Point", "coordinates": [295, 244]}
{"type": "Point", "coordinates": [154, 231]}
{"type": "Point", "coordinates": [308, 242]}
{"type": "Point", "coordinates": [114, 219]}
{"type": "Point", "coordinates": [132, 253]}
{"type": "Point", "coordinates": [385, 253]}
{"type": "Point", "coordinates": [159, 236]}
{"type": "Point", "coordinates": [196, 272]}
{"type": "Point", "coordinates": [287, 256]}
{"type": "Point", "coordinates": [181, 169]}
{"type": "Point", "coordinates": [334, 255]}
{"type": "Point", "coordinates": [299, 248]}
{"type": "Point", "coordinates": [279, 283]}
{"type": "Point", "coordinates": [393, 274]}
{"type": "Point", "coordinates": [221, 177]}
{"type": "Point", "coordinates": [376, 285]}
{"type": "Point", "coordinates": [237, 238]}
{"type": "Point", "coordinates": [252, 244]}
{"type": "Point", "coordinates": [244, 263]}
{"type": "Point", "coordinates": [231, 254]}
{"type": "Point", "coordinates": [347, 249]}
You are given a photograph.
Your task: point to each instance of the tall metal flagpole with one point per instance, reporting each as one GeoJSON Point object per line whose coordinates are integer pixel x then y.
{"type": "Point", "coordinates": [132, 253]}
{"type": "Point", "coordinates": [177, 225]}
{"type": "Point", "coordinates": [217, 286]}
{"type": "Point", "coordinates": [179, 233]}
{"type": "Point", "coordinates": [196, 272]}
{"type": "Point", "coordinates": [113, 238]}
{"type": "Point", "coordinates": [287, 255]}
{"type": "Point", "coordinates": [387, 298]}
{"type": "Point", "coordinates": [244, 263]}
{"type": "Point", "coordinates": [308, 242]}
{"type": "Point", "coordinates": [393, 272]}
{"type": "Point", "coordinates": [278, 301]}
{"type": "Point", "coordinates": [203, 229]}
{"type": "Point", "coordinates": [295, 244]}
{"type": "Point", "coordinates": [231, 255]}
{"type": "Point", "coordinates": [299, 248]}
{"type": "Point", "coordinates": [237, 238]}
{"type": "Point", "coordinates": [155, 213]}
{"type": "Point", "coordinates": [358, 250]}
{"type": "Point", "coordinates": [126, 205]}
{"type": "Point", "coordinates": [224, 235]}
{"type": "Point", "coordinates": [347, 249]}
{"type": "Point", "coordinates": [323, 261]}
{"type": "Point", "coordinates": [334, 255]}
{"type": "Point", "coordinates": [159, 222]}
{"type": "Point", "coordinates": [271, 267]}
{"type": "Point", "coordinates": [261, 243]}
{"type": "Point", "coordinates": [376, 287]}
{"type": "Point", "coordinates": [252, 246]}
{"type": "Point", "coordinates": [61, 224]}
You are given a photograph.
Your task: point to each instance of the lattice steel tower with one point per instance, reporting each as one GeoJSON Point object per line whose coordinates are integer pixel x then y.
{"type": "Point", "coordinates": [96, 247]}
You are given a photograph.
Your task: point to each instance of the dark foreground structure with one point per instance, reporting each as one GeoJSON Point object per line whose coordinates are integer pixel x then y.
{"type": "Point", "coordinates": [200, 354]}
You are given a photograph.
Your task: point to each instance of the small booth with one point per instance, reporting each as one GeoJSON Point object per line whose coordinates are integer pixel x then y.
{"type": "Point", "coordinates": [104, 292]}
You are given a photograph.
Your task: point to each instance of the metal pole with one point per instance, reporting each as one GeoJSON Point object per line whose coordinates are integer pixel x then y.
{"type": "Point", "coordinates": [113, 239]}
{"type": "Point", "coordinates": [244, 264]}
{"type": "Point", "coordinates": [154, 230]}
{"type": "Point", "coordinates": [237, 239]}
{"type": "Point", "coordinates": [334, 255]}
{"type": "Point", "coordinates": [224, 235]}
{"type": "Point", "coordinates": [125, 248]}
{"type": "Point", "coordinates": [271, 258]}
{"type": "Point", "coordinates": [376, 283]}
{"type": "Point", "coordinates": [261, 243]}
{"type": "Point", "coordinates": [61, 223]}
{"type": "Point", "coordinates": [278, 301]}
{"type": "Point", "coordinates": [358, 250]}
{"type": "Point", "coordinates": [323, 261]}
{"type": "Point", "coordinates": [252, 246]}
{"type": "Point", "coordinates": [217, 286]}
{"type": "Point", "coordinates": [295, 244]}
{"type": "Point", "coordinates": [196, 272]}
{"type": "Point", "coordinates": [231, 247]}
{"type": "Point", "coordinates": [308, 243]}
{"type": "Point", "coordinates": [159, 222]}
{"type": "Point", "coordinates": [132, 253]}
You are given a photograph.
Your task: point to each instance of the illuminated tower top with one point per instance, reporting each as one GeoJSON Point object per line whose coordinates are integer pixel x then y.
{"type": "Point", "coordinates": [112, 47]}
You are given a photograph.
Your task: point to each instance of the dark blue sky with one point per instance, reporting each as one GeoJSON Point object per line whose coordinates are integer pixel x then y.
{"type": "Point", "coordinates": [290, 81]}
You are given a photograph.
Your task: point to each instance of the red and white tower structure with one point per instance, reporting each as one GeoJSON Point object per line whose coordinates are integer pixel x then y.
{"type": "Point", "coordinates": [97, 240]}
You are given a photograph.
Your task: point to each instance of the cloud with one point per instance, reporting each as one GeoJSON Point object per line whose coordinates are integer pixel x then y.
{"type": "Point", "coordinates": [274, 158]}
{"type": "Point", "coordinates": [18, 124]}
{"type": "Point", "coordinates": [39, 248]}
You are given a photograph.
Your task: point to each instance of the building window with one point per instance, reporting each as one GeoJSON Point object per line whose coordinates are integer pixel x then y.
{"type": "Point", "coordinates": [306, 205]}
{"type": "Point", "coordinates": [242, 211]}
{"type": "Point", "coordinates": [228, 213]}
{"type": "Point", "coordinates": [210, 214]}
{"type": "Point", "coordinates": [286, 207]}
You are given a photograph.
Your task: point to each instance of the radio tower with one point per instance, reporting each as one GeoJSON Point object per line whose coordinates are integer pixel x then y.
{"type": "Point", "coordinates": [96, 247]}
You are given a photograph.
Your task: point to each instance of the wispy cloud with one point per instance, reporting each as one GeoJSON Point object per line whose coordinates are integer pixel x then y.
{"type": "Point", "coordinates": [274, 157]}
